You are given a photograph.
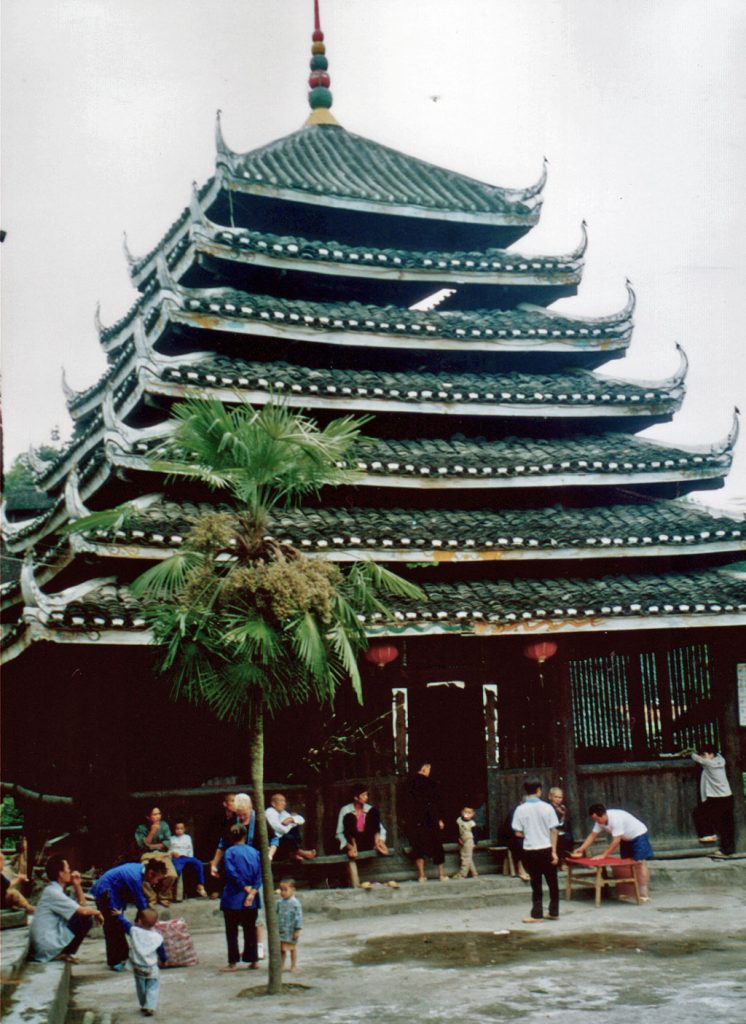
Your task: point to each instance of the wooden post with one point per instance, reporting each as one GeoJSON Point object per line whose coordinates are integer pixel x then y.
{"type": "Point", "coordinates": [725, 687]}
{"type": "Point", "coordinates": [566, 730]}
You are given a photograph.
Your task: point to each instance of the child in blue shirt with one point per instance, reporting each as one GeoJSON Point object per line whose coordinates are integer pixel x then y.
{"type": "Point", "coordinates": [290, 916]}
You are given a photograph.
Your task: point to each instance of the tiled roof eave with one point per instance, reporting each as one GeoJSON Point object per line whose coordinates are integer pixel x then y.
{"type": "Point", "coordinates": [486, 480]}
{"type": "Point", "coordinates": [422, 341]}
{"type": "Point", "coordinates": [346, 403]}
{"type": "Point", "coordinates": [125, 637]}
{"type": "Point", "coordinates": [498, 267]}
{"type": "Point", "coordinates": [580, 624]}
{"type": "Point", "coordinates": [505, 218]}
{"type": "Point", "coordinates": [394, 551]}
{"type": "Point", "coordinates": [704, 598]}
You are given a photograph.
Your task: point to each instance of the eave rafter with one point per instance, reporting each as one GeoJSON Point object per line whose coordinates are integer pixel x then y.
{"type": "Point", "coordinates": [99, 612]}
{"type": "Point", "coordinates": [578, 394]}
{"type": "Point", "coordinates": [473, 463]}
{"type": "Point", "coordinates": [290, 253]}
{"type": "Point", "coordinates": [668, 529]}
{"type": "Point", "coordinates": [527, 328]}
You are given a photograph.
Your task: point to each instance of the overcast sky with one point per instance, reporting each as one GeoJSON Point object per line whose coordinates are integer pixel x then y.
{"type": "Point", "coordinates": [108, 111]}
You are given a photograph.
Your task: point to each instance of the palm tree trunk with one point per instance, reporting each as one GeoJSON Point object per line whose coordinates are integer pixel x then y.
{"type": "Point", "coordinates": [274, 983]}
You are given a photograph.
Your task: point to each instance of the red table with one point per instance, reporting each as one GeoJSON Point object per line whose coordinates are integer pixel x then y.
{"type": "Point", "coordinates": [591, 872]}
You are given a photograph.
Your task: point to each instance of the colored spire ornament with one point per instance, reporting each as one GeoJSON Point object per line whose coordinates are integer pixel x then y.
{"type": "Point", "coordinates": [319, 96]}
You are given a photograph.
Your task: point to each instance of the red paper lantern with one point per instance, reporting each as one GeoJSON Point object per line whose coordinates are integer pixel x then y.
{"type": "Point", "coordinates": [381, 654]}
{"type": "Point", "coordinates": [540, 651]}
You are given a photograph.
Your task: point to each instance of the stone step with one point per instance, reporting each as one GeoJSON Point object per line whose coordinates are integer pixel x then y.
{"type": "Point", "coordinates": [13, 960]}
{"type": "Point", "coordinates": [41, 996]}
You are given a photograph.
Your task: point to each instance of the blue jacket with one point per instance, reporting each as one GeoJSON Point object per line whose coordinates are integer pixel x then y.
{"type": "Point", "coordinates": [242, 867]}
{"type": "Point", "coordinates": [122, 885]}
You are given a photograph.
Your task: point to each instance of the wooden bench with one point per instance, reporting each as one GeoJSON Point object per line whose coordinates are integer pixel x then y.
{"type": "Point", "coordinates": [505, 856]}
{"type": "Point", "coordinates": [330, 860]}
{"type": "Point", "coordinates": [591, 873]}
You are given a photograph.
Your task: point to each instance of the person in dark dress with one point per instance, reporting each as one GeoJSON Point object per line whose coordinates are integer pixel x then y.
{"type": "Point", "coordinates": [425, 823]}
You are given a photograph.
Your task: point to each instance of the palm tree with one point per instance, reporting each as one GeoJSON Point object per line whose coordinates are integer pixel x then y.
{"type": "Point", "coordinates": [245, 624]}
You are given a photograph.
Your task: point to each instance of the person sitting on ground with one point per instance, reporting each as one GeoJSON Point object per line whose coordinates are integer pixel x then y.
{"type": "Point", "coordinates": [359, 825]}
{"type": "Point", "coordinates": [10, 896]}
{"type": "Point", "coordinates": [241, 899]}
{"type": "Point", "coordinates": [466, 828]}
{"type": "Point", "coordinates": [284, 827]}
{"type": "Point", "coordinates": [152, 839]}
{"type": "Point", "coordinates": [113, 891]}
{"type": "Point", "coordinates": [564, 832]}
{"type": "Point", "coordinates": [61, 923]}
{"type": "Point", "coordinates": [713, 817]}
{"type": "Point", "coordinates": [182, 856]}
{"type": "Point", "coordinates": [146, 950]}
{"type": "Point", "coordinates": [628, 835]}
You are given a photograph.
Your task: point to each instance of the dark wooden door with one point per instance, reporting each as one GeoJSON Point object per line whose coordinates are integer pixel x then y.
{"type": "Point", "coordinates": [446, 727]}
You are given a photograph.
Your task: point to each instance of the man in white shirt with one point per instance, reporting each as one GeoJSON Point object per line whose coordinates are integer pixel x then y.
{"type": "Point", "coordinates": [713, 817]}
{"type": "Point", "coordinates": [285, 829]}
{"type": "Point", "coordinates": [61, 923]}
{"type": "Point", "coordinates": [536, 822]}
{"type": "Point", "coordinates": [628, 835]}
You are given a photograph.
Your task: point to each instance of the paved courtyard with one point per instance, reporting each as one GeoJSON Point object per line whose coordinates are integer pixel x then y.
{"type": "Point", "coordinates": [419, 955]}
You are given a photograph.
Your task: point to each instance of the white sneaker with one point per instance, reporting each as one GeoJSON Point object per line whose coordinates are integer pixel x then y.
{"type": "Point", "coordinates": [260, 950]}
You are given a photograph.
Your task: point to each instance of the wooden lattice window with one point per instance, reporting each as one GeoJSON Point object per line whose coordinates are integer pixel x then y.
{"type": "Point", "coordinates": [633, 707]}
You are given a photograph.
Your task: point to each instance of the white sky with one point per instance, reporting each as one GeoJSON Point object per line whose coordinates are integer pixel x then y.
{"type": "Point", "coordinates": [108, 111]}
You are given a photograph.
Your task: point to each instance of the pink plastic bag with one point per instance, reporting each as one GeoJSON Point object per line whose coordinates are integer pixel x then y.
{"type": "Point", "coordinates": [178, 942]}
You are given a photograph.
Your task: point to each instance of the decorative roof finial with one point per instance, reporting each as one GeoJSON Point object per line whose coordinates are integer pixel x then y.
{"type": "Point", "coordinates": [319, 97]}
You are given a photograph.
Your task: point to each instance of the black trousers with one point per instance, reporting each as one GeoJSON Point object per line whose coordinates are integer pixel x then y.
{"type": "Point", "coordinates": [539, 865]}
{"type": "Point", "coordinates": [117, 950]}
{"type": "Point", "coordinates": [79, 925]}
{"type": "Point", "coordinates": [246, 920]}
{"type": "Point", "coordinates": [714, 816]}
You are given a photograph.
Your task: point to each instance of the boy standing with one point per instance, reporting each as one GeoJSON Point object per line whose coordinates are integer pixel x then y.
{"type": "Point", "coordinates": [536, 823]}
{"type": "Point", "coordinates": [466, 825]}
{"type": "Point", "coordinates": [146, 949]}
{"type": "Point", "coordinates": [290, 917]}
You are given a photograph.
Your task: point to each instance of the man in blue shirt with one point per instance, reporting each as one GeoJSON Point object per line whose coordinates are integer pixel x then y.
{"type": "Point", "coordinates": [114, 890]}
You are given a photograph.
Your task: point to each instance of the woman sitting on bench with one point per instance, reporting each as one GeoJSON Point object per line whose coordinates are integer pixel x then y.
{"type": "Point", "coordinates": [359, 825]}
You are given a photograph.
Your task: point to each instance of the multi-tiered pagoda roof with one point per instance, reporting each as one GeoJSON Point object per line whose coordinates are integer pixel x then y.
{"type": "Point", "coordinates": [346, 277]}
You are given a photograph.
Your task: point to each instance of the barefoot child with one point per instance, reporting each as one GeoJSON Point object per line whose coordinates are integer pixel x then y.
{"type": "Point", "coordinates": [290, 917]}
{"type": "Point", "coordinates": [466, 826]}
{"type": "Point", "coordinates": [146, 949]}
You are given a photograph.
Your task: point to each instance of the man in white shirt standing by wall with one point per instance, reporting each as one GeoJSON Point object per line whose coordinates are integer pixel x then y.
{"type": "Point", "coordinates": [536, 822]}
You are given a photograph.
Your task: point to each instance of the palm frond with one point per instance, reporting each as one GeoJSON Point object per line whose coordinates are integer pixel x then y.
{"type": "Point", "coordinates": [347, 653]}
{"type": "Point", "coordinates": [309, 644]}
{"type": "Point", "coordinates": [165, 579]}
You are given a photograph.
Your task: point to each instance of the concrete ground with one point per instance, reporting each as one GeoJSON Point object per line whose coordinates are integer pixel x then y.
{"type": "Point", "coordinates": [446, 952]}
